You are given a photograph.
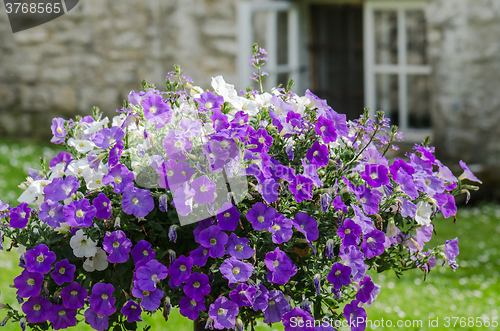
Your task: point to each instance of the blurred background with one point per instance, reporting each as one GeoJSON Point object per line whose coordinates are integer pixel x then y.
{"type": "Point", "coordinates": [433, 66]}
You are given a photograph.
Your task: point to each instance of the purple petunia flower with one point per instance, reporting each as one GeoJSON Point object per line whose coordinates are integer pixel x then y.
{"type": "Point", "coordinates": [366, 288]}
{"type": "Point", "coordinates": [224, 313]}
{"type": "Point", "coordinates": [339, 276]}
{"type": "Point", "coordinates": [114, 154]}
{"type": "Point", "coordinates": [280, 267]}
{"type": "Point", "coordinates": [243, 295]}
{"type": "Point", "coordinates": [215, 239]}
{"type": "Point", "coordinates": [97, 322]}
{"type": "Point", "coordinates": [133, 311]}
{"type": "Point", "coordinates": [307, 225]}
{"type": "Point", "coordinates": [102, 206]}
{"type": "Point", "coordinates": [149, 274]}
{"type": "Point", "coordinates": [468, 174]}
{"type": "Point", "coordinates": [36, 309]}
{"type": "Point", "coordinates": [446, 203]}
{"type": "Point", "coordinates": [356, 316]}
{"type": "Point", "coordinates": [369, 199]}
{"type": "Point", "coordinates": [190, 308]}
{"type": "Point", "coordinates": [106, 138]}
{"type": "Point", "coordinates": [79, 213]}
{"type": "Point", "coordinates": [326, 129]}
{"type": "Point", "coordinates": [318, 154]}
{"type": "Point", "coordinates": [228, 217]}
{"type": "Point", "coordinates": [200, 255]}
{"type": "Point", "coordinates": [156, 110]}
{"type": "Point", "coordinates": [351, 256]}
{"type": "Point", "coordinates": [61, 189]}
{"type": "Point", "coordinates": [350, 233]}
{"type": "Point", "coordinates": [58, 130]}
{"type": "Point", "coordinates": [137, 201]}
{"type": "Point", "coordinates": [261, 216]}
{"type": "Point", "coordinates": [151, 300]}
{"type": "Point", "coordinates": [183, 199]}
{"type": "Point", "coordinates": [171, 174]}
{"type": "Point", "coordinates": [40, 259]}
{"type": "Point", "coordinates": [238, 247]}
{"type": "Point", "coordinates": [301, 187]}
{"type": "Point", "coordinates": [19, 216]}
{"type": "Point", "coordinates": [142, 251]}
{"type": "Point", "coordinates": [451, 251]}
{"type": "Point", "coordinates": [208, 101]}
{"type": "Point", "coordinates": [51, 212]}
{"type": "Point", "coordinates": [375, 175]}
{"type": "Point", "coordinates": [61, 317]}
{"type": "Point", "coordinates": [298, 319]}
{"type": "Point", "coordinates": [63, 157]}
{"type": "Point", "coordinates": [28, 283]}
{"type": "Point", "coordinates": [63, 272]}
{"type": "Point", "coordinates": [117, 245]}
{"type": "Point", "coordinates": [236, 271]}
{"type": "Point", "coordinates": [74, 296]}
{"type": "Point", "coordinates": [101, 299]}
{"type": "Point", "coordinates": [373, 243]}
{"type": "Point", "coordinates": [204, 190]}
{"type": "Point", "coordinates": [120, 177]}
{"type": "Point", "coordinates": [219, 120]}
{"type": "Point", "coordinates": [276, 307]}
{"type": "Point", "coordinates": [281, 229]}
{"type": "Point", "coordinates": [180, 270]}
{"type": "Point", "coordinates": [176, 144]}
{"type": "Point", "coordinates": [197, 286]}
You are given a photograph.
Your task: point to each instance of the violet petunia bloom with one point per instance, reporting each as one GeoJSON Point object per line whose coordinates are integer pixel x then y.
{"type": "Point", "coordinates": [137, 201]}
{"type": "Point", "coordinates": [228, 217]}
{"type": "Point", "coordinates": [79, 213]}
{"type": "Point", "coordinates": [204, 190]}
{"type": "Point", "coordinates": [97, 322]}
{"type": "Point", "coordinates": [301, 187]}
{"type": "Point", "coordinates": [281, 229]}
{"type": "Point", "coordinates": [224, 313]}
{"type": "Point", "coordinates": [276, 307]}
{"type": "Point", "coordinates": [183, 199]}
{"type": "Point", "coordinates": [208, 101]}
{"type": "Point", "coordinates": [28, 283]}
{"type": "Point", "coordinates": [375, 175]}
{"type": "Point", "coordinates": [102, 300]}
{"type": "Point", "coordinates": [142, 251]}
{"type": "Point", "coordinates": [262, 139]}
{"type": "Point", "coordinates": [197, 286]}
{"type": "Point", "coordinates": [156, 110]}
{"type": "Point", "coordinates": [339, 276]}
{"type": "Point", "coordinates": [114, 154]}
{"type": "Point", "coordinates": [190, 308]}
{"type": "Point", "coordinates": [63, 272]}
{"type": "Point", "coordinates": [236, 271]}
{"type": "Point", "coordinates": [350, 233]}
{"type": "Point", "coordinates": [171, 174]}
{"type": "Point", "coordinates": [180, 269]}
{"type": "Point", "coordinates": [120, 177]}
{"type": "Point", "coordinates": [261, 298]}
{"type": "Point", "coordinates": [58, 130]}
{"type": "Point", "coordinates": [61, 317]}
{"type": "Point", "coordinates": [468, 174]}
{"type": "Point", "coordinates": [40, 259]}
{"type": "Point", "coordinates": [200, 255]}
{"type": "Point", "coordinates": [61, 189]}
{"type": "Point", "coordinates": [338, 204]}
{"type": "Point", "coordinates": [307, 225]}
{"type": "Point", "coordinates": [149, 274]}
{"type": "Point", "coordinates": [63, 157]}
{"type": "Point", "coordinates": [292, 318]}
{"type": "Point", "coordinates": [373, 243]}
{"type": "Point", "coordinates": [176, 144]}
{"type": "Point", "coordinates": [451, 251]}
{"type": "Point", "coordinates": [261, 216]}
{"type": "Point", "coordinates": [238, 247]}
{"type": "Point", "coordinates": [352, 257]}
{"type": "Point", "coordinates": [19, 216]}
{"type": "Point", "coordinates": [369, 199]}
{"type": "Point", "coordinates": [243, 295]}
{"type": "Point", "coordinates": [215, 239]}
{"type": "Point", "coordinates": [74, 296]}
{"type": "Point", "coordinates": [280, 267]}
{"type": "Point", "coordinates": [318, 154]}
{"type": "Point", "coordinates": [356, 316]}
{"type": "Point", "coordinates": [446, 203]}
{"type": "Point", "coordinates": [117, 245]}
{"type": "Point", "coordinates": [102, 206]}
{"type": "Point", "coordinates": [151, 300]}
{"type": "Point", "coordinates": [51, 212]}
{"type": "Point", "coordinates": [366, 287]}
{"type": "Point", "coordinates": [326, 200]}
{"type": "Point", "coordinates": [220, 121]}
{"type": "Point", "coordinates": [217, 155]}
{"type": "Point", "coordinates": [132, 311]}
{"type": "Point", "coordinates": [36, 309]}
{"type": "Point", "coordinates": [326, 129]}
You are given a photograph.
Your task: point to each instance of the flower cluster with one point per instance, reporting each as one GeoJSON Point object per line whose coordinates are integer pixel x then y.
{"type": "Point", "coordinates": [231, 206]}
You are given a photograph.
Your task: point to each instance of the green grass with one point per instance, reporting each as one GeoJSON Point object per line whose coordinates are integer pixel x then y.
{"type": "Point", "coordinates": [472, 291]}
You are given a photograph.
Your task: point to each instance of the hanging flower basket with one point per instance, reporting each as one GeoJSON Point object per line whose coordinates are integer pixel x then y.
{"type": "Point", "coordinates": [231, 206]}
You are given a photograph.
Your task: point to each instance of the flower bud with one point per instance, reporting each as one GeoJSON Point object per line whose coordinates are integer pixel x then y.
{"type": "Point", "coordinates": [329, 249]}
{"type": "Point", "coordinates": [22, 323]}
{"type": "Point", "coordinates": [166, 308]}
{"type": "Point", "coordinates": [171, 255]}
{"type": "Point", "coordinates": [6, 319]}
{"type": "Point", "coordinates": [19, 299]}
{"type": "Point", "coordinates": [163, 203]}
{"type": "Point", "coordinates": [239, 325]}
{"type": "Point", "coordinates": [326, 200]}
{"type": "Point", "coordinates": [306, 306]}
{"type": "Point", "coordinates": [209, 324]}
{"type": "Point", "coordinates": [392, 230]}
{"type": "Point", "coordinates": [172, 233]}
{"type": "Point", "coordinates": [117, 222]}
{"type": "Point", "coordinates": [317, 283]}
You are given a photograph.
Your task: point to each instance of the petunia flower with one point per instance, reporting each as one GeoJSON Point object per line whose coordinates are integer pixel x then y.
{"type": "Point", "coordinates": [281, 229]}
{"type": "Point", "coordinates": [101, 299]}
{"type": "Point", "coordinates": [215, 239]}
{"type": "Point", "coordinates": [82, 246]}
{"type": "Point", "coordinates": [117, 245]}
{"type": "Point", "coordinates": [375, 175]}
{"type": "Point", "coordinates": [40, 259]}
{"type": "Point", "coordinates": [200, 255]}
{"type": "Point", "coordinates": [79, 213]}
{"type": "Point", "coordinates": [151, 300]}
{"type": "Point", "coordinates": [99, 261]}
{"type": "Point", "coordinates": [292, 318]}
{"type": "Point", "coordinates": [280, 267]}
{"type": "Point", "coordinates": [63, 272]}
{"type": "Point", "coordinates": [190, 308]}
{"type": "Point", "coordinates": [318, 154]}
{"type": "Point", "coordinates": [137, 201]}
{"type": "Point", "coordinates": [366, 287]}
{"type": "Point", "coordinates": [61, 189]}
{"type": "Point", "coordinates": [149, 274]}
{"type": "Point", "coordinates": [103, 206]}
{"type": "Point", "coordinates": [301, 187]}
{"type": "Point", "coordinates": [180, 270]}
{"type": "Point", "coordinates": [142, 251]}
{"type": "Point", "coordinates": [243, 295]}
{"type": "Point", "coordinates": [19, 216]}
{"type": "Point", "coordinates": [276, 307]}
{"type": "Point", "coordinates": [423, 215]}
{"type": "Point", "coordinates": [28, 283]}
{"type": "Point", "coordinates": [223, 312]}
{"type": "Point", "coordinates": [36, 309]}
{"type": "Point", "coordinates": [350, 233]}
{"type": "Point", "coordinates": [307, 225]}
{"type": "Point", "coordinates": [373, 243]}
{"type": "Point", "coordinates": [261, 216]}
{"type": "Point", "coordinates": [236, 271]}
{"type": "Point", "coordinates": [120, 177]}
{"type": "Point", "coordinates": [467, 174]}
{"type": "Point", "coordinates": [132, 311]}
{"type": "Point", "coordinates": [74, 296]}
{"type": "Point", "coordinates": [61, 317]}
{"type": "Point", "coordinates": [339, 275]}
{"type": "Point", "coordinates": [228, 217]}
{"type": "Point", "coordinates": [204, 190]}
{"type": "Point", "coordinates": [97, 322]}
{"type": "Point", "coordinates": [238, 247]}
{"type": "Point", "coordinates": [356, 316]}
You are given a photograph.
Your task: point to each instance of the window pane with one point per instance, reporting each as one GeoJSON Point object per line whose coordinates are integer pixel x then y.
{"type": "Point", "coordinates": [283, 79]}
{"type": "Point", "coordinates": [260, 27]}
{"type": "Point", "coordinates": [282, 37]}
{"type": "Point", "coordinates": [386, 37]}
{"type": "Point", "coordinates": [387, 96]}
{"type": "Point", "coordinates": [416, 37]}
{"type": "Point", "coordinates": [418, 101]}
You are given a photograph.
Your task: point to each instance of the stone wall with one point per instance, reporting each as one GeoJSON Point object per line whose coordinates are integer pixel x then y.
{"type": "Point", "coordinates": [96, 53]}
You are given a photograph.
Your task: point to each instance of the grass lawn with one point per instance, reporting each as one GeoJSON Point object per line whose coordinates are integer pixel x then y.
{"type": "Point", "coordinates": [449, 300]}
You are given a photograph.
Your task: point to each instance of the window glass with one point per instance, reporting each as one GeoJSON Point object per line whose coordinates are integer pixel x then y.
{"type": "Point", "coordinates": [386, 37]}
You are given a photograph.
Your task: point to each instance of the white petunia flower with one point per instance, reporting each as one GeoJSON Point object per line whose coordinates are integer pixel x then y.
{"type": "Point", "coordinates": [57, 171]}
{"type": "Point", "coordinates": [34, 190]}
{"type": "Point", "coordinates": [94, 181]}
{"type": "Point", "coordinates": [248, 106]}
{"type": "Point", "coordinates": [78, 168]}
{"type": "Point", "coordinates": [93, 127]}
{"type": "Point", "coordinates": [82, 245]}
{"type": "Point", "coordinates": [424, 211]}
{"type": "Point", "coordinates": [82, 146]}
{"type": "Point", "coordinates": [63, 228]}
{"type": "Point", "coordinates": [97, 262]}
{"type": "Point", "coordinates": [224, 89]}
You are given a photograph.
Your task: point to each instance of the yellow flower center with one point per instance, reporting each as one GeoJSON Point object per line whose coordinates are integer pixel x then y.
{"type": "Point", "coordinates": [116, 244]}
{"type": "Point", "coordinates": [227, 214]}
{"type": "Point", "coordinates": [239, 248]}
{"type": "Point", "coordinates": [62, 271]}
{"type": "Point", "coordinates": [59, 130]}
{"type": "Point", "coordinates": [271, 303]}
{"type": "Point", "coordinates": [152, 110]}
{"type": "Point", "coordinates": [236, 270]}
{"type": "Point", "coordinates": [178, 144]}
{"type": "Point", "coordinates": [40, 258]}
{"type": "Point", "coordinates": [37, 307]}
{"type": "Point", "coordinates": [182, 268]}
{"type": "Point", "coordinates": [298, 187]}
{"type": "Point", "coordinates": [194, 303]}
{"type": "Point", "coordinates": [135, 201]}
{"type": "Point", "coordinates": [370, 240]}
{"type": "Point", "coordinates": [203, 188]}
{"type": "Point", "coordinates": [338, 272]}
{"type": "Point", "coordinates": [104, 296]}
{"type": "Point", "coordinates": [145, 293]}
{"type": "Point", "coordinates": [260, 219]}
{"type": "Point", "coordinates": [118, 180]}
{"type": "Point", "coordinates": [315, 153]}
{"type": "Point", "coordinates": [347, 231]}
{"type": "Point", "coordinates": [213, 241]}
{"type": "Point", "coordinates": [170, 173]}
{"type": "Point", "coordinates": [61, 313]}
{"type": "Point", "coordinates": [74, 292]}
{"type": "Point", "coordinates": [276, 227]}
{"type": "Point", "coordinates": [31, 281]}
{"type": "Point", "coordinates": [23, 214]}
{"type": "Point", "coordinates": [196, 284]}
{"type": "Point", "coordinates": [79, 213]}
{"type": "Point", "coordinates": [51, 213]}
{"type": "Point", "coordinates": [276, 263]}
{"type": "Point", "coordinates": [145, 253]}
{"type": "Point", "coordinates": [262, 140]}
{"type": "Point", "coordinates": [208, 105]}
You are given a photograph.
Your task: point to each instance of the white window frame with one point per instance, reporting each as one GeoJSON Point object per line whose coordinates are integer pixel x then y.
{"type": "Point", "coordinates": [401, 68]}
{"type": "Point", "coordinates": [245, 12]}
